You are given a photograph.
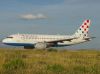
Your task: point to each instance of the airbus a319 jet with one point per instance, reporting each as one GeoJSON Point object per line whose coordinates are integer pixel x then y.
{"type": "Point", "coordinates": [30, 41]}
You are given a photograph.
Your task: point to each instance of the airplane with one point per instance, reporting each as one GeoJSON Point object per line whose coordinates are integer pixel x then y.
{"type": "Point", "coordinates": [31, 41]}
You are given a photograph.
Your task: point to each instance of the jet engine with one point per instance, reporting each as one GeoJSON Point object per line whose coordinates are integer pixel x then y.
{"type": "Point", "coordinates": [41, 45]}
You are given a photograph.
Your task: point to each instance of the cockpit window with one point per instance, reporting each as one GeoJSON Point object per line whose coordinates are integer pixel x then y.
{"type": "Point", "coordinates": [9, 37]}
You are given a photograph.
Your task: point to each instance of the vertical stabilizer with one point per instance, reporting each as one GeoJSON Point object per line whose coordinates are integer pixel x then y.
{"type": "Point", "coordinates": [83, 29]}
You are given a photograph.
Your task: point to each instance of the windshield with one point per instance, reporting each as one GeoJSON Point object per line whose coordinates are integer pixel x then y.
{"type": "Point", "coordinates": [9, 37]}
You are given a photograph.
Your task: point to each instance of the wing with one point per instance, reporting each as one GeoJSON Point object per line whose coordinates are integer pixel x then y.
{"type": "Point", "coordinates": [60, 40]}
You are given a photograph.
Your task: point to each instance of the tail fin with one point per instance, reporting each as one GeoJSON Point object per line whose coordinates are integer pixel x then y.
{"type": "Point", "coordinates": [83, 29]}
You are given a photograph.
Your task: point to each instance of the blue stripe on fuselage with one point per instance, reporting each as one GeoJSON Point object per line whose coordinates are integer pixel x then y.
{"type": "Point", "coordinates": [28, 44]}
{"type": "Point", "coordinates": [19, 44]}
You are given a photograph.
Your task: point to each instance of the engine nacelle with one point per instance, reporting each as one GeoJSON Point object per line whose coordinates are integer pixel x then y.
{"type": "Point", "coordinates": [41, 45]}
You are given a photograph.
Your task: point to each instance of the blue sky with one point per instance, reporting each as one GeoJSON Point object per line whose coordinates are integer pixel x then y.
{"type": "Point", "coordinates": [63, 17]}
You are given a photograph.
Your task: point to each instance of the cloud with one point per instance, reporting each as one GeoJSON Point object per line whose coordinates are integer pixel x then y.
{"type": "Point", "coordinates": [33, 17]}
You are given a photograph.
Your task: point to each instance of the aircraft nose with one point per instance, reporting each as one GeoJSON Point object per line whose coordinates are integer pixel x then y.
{"type": "Point", "coordinates": [7, 41]}
{"type": "Point", "coordinates": [4, 41]}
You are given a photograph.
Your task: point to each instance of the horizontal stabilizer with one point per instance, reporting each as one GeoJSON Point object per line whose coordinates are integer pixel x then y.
{"type": "Point", "coordinates": [89, 38]}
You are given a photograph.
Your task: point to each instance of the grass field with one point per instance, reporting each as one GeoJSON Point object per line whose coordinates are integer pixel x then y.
{"type": "Point", "coordinates": [16, 61]}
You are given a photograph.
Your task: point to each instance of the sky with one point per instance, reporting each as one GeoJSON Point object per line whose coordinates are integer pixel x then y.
{"type": "Point", "coordinates": [50, 17]}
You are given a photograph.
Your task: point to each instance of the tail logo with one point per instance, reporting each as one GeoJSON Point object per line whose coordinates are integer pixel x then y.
{"type": "Point", "coordinates": [85, 25]}
{"type": "Point", "coordinates": [83, 29]}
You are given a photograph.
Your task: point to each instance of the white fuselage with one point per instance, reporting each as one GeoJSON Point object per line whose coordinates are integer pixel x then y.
{"type": "Point", "coordinates": [31, 39]}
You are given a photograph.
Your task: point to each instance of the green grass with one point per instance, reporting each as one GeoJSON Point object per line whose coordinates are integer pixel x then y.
{"type": "Point", "coordinates": [20, 61]}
